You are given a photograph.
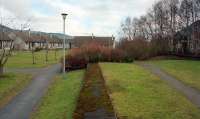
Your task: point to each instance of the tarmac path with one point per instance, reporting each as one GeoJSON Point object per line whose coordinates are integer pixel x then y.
{"type": "Point", "coordinates": [23, 104]}
{"type": "Point", "coordinates": [190, 93]}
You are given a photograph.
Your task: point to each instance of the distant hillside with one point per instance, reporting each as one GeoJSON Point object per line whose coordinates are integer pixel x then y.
{"type": "Point", "coordinates": [58, 35]}
{"type": "Point", "coordinates": [61, 36]}
{"type": "Point", "coordinates": [5, 28]}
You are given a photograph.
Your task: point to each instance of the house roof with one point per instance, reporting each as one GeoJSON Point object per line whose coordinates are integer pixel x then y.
{"type": "Point", "coordinates": [81, 40]}
{"type": "Point", "coordinates": [7, 36]}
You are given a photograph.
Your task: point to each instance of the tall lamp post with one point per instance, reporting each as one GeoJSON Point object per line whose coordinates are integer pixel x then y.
{"type": "Point", "coordinates": [64, 15]}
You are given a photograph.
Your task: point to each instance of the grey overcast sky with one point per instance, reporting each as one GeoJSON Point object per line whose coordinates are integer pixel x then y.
{"type": "Point", "coordinates": [101, 17]}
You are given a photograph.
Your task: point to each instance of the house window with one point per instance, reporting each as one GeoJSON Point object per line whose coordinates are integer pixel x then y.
{"type": "Point", "coordinates": [191, 47]}
{"type": "Point", "coordinates": [198, 43]}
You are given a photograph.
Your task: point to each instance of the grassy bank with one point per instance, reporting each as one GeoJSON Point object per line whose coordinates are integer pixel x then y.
{"type": "Point", "coordinates": [137, 94]}
{"type": "Point", "coordinates": [60, 100]}
{"type": "Point", "coordinates": [24, 59]}
{"type": "Point", "coordinates": [11, 84]}
{"type": "Point", "coordinates": [187, 71]}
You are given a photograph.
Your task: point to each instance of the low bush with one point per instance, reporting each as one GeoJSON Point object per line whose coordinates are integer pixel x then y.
{"type": "Point", "coordinates": [38, 49]}
{"type": "Point", "coordinates": [92, 53]}
{"type": "Point", "coordinates": [141, 49]}
{"type": "Point", "coordinates": [75, 60]}
{"type": "Point", "coordinates": [138, 48]}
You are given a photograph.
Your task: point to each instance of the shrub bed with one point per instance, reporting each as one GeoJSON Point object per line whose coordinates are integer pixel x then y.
{"type": "Point", "coordinates": [141, 49]}
{"type": "Point", "coordinates": [78, 58]}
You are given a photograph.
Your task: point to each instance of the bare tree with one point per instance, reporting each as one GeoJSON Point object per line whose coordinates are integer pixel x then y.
{"type": "Point", "coordinates": [7, 38]}
{"type": "Point", "coordinates": [55, 53]}
{"type": "Point", "coordinates": [196, 9]}
{"type": "Point", "coordinates": [143, 28]}
{"type": "Point", "coordinates": [172, 7]}
{"type": "Point", "coordinates": [161, 17]}
{"type": "Point", "coordinates": [47, 50]}
{"type": "Point", "coordinates": [127, 28]}
{"type": "Point", "coordinates": [162, 22]}
{"type": "Point", "coordinates": [33, 53]}
{"type": "Point", "coordinates": [149, 24]}
{"type": "Point", "coordinates": [186, 12]}
{"type": "Point", "coordinates": [6, 48]}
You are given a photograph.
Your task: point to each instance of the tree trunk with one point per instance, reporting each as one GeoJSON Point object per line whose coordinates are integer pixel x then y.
{"type": "Point", "coordinates": [1, 69]}
{"type": "Point", "coordinates": [33, 57]}
{"type": "Point", "coordinates": [47, 55]}
{"type": "Point", "coordinates": [55, 54]}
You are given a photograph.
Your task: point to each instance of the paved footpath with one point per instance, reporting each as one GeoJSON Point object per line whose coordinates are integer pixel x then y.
{"type": "Point", "coordinates": [192, 94]}
{"type": "Point", "coordinates": [33, 71]}
{"type": "Point", "coordinates": [23, 104]}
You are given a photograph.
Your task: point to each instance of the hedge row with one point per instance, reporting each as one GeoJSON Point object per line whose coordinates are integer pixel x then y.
{"type": "Point", "coordinates": [93, 53]}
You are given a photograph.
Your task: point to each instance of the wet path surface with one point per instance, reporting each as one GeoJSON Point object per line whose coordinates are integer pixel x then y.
{"type": "Point", "coordinates": [94, 102]}
{"type": "Point", "coordinates": [192, 94]}
{"type": "Point", "coordinates": [23, 104]}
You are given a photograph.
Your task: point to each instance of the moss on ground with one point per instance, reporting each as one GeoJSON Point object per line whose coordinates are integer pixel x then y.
{"type": "Point", "coordinates": [93, 95]}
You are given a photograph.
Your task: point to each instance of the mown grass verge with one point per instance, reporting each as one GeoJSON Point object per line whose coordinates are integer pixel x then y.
{"type": "Point", "coordinates": [61, 97]}
{"type": "Point", "coordinates": [138, 94]}
{"type": "Point", "coordinates": [187, 71]}
{"type": "Point", "coordinates": [23, 59]}
{"type": "Point", "coordinates": [11, 84]}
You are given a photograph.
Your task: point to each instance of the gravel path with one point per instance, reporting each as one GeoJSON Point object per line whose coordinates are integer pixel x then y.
{"type": "Point", "coordinates": [23, 104]}
{"type": "Point", "coordinates": [192, 94]}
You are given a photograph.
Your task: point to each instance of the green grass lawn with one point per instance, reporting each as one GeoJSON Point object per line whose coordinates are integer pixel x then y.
{"type": "Point", "coordinates": [60, 100]}
{"type": "Point", "coordinates": [187, 71]}
{"type": "Point", "coordinates": [11, 84]}
{"type": "Point", "coordinates": [24, 59]}
{"type": "Point", "coordinates": [138, 94]}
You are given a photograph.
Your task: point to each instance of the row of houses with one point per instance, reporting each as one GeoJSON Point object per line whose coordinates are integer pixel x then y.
{"type": "Point", "coordinates": [27, 41]}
